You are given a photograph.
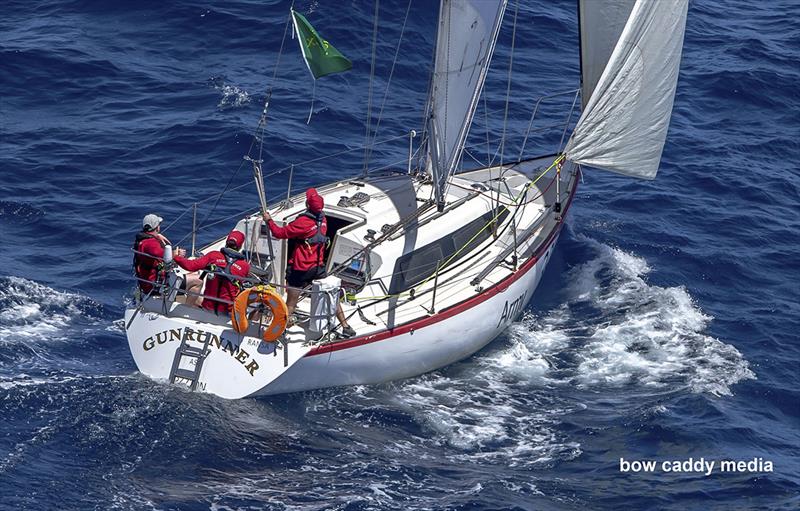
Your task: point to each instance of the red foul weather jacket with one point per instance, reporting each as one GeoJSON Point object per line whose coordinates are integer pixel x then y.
{"type": "Point", "coordinates": [302, 228]}
{"type": "Point", "coordinates": [146, 266]}
{"type": "Point", "coordinates": [217, 286]}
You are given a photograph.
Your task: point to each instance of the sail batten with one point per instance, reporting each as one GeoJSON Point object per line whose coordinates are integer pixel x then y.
{"type": "Point", "coordinates": [465, 43]}
{"type": "Point", "coordinates": [624, 123]}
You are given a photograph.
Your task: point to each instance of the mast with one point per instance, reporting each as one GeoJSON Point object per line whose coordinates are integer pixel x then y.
{"type": "Point", "coordinates": [465, 41]}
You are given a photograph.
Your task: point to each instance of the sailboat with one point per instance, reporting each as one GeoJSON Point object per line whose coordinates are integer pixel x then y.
{"type": "Point", "coordinates": [433, 262]}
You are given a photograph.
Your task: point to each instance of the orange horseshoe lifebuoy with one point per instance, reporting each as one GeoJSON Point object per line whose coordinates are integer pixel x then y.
{"type": "Point", "coordinates": [268, 297]}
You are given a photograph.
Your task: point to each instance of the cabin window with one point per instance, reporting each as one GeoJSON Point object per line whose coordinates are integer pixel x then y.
{"type": "Point", "coordinates": [416, 266]}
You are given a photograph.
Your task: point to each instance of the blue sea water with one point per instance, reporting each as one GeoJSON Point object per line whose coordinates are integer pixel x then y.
{"type": "Point", "coordinates": [666, 327]}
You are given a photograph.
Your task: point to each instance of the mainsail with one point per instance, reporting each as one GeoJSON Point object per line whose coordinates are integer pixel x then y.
{"type": "Point", "coordinates": [464, 45]}
{"type": "Point", "coordinates": [625, 120]}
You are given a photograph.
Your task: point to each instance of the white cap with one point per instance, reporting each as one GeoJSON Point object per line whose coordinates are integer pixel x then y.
{"type": "Point", "coordinates": [151, 221]}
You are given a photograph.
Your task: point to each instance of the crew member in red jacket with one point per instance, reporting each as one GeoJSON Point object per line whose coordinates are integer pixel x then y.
{"type": "Point", "coordinates": [307, 262]}
{"type": "Point", "coordinates": [219, 286]}
{"type": "Point", "coordinates": [148, 264]}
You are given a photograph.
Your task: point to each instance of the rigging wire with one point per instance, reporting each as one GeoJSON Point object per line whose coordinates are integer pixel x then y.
{"type": "Point", "coordinates": [508, 84]}
{"type": "Point", "coordinates": [486, 121]}
{"type": "Point", "coordinates": [438, 184]}
{"type": "Point", "coordinates": [258, 135]}
{"type": "Point", "coordinates": [508, 92]}
{"type": "Point", "coordinates": [388, 84]}
{"type": "Point", "coordinates": [424, 139]}
{"type": "Point", "coordinates": [263, 121]}
{"type": "Point", "coordinates": [369, 94]}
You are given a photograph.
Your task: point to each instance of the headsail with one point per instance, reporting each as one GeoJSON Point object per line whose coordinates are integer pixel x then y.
{"type": "Point", "coordinates": [624, 123]}
{"type": "Point", "coordinates": [600, 25]}
{"type": "Point", "coordinates": [464, 45]}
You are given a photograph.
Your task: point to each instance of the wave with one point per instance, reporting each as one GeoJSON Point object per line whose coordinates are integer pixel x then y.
{"type": "Point", "coordinates": [614, 329]}
{"type": "Point", "coordinates": [232, 95]}
{"type": "Point", "coordinates": [634, 331]}
{"type": "Point", "coordinates": [29, 309]}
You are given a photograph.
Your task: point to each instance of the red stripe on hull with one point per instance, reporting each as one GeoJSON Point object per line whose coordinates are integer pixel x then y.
{"type": "Point", "coordinates": [453, 309]}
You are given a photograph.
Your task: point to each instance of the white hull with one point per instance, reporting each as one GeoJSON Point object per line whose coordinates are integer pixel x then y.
{"type": "Point", "coordinates": [419, 350]}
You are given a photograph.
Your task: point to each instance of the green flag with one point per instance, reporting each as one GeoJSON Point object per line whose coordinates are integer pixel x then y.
{"type": "Point", "coordinates": [321, 57]}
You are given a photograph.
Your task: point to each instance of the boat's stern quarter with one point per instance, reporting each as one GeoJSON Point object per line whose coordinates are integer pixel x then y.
{"type": "Point", "coordinates": [204, 356]}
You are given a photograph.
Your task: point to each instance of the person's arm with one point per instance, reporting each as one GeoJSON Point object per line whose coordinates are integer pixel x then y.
{"type": "Point", "coordinates": [292, 230]}
{"type": "Point", "coordinates": [193, 264]}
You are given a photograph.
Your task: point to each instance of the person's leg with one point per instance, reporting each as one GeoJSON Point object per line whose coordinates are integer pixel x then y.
{"type": "Point", "coordinates": [340, 316]}
{"type": "Point", "coordinates": [194, 286]}
{"type": "Point", "coordinates": [347, 330]}
{"type": "Point", "coordinates": [292, 297]}
{"type": "Point", "coordinates": [297, 281]}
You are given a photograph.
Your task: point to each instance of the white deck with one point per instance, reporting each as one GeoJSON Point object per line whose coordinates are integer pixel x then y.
{"type": "Point", "coordinates": [397, 196]}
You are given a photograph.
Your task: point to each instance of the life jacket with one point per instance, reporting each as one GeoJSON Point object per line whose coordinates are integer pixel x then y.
{"type": "Point", "coordinates": [139, 260]}
{"type": "Point", "coordinates": [222, 284]}
{"type": "Point", "coordinates": [317, 240]}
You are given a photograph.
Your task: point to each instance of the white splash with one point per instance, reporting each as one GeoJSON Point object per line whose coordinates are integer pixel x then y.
{"type": "Point", "coordinates": [31, 310]}
{"type": "Point", "coordinates": [613, 329]}
{"type": "Point", "coordinates": [24, 380]}
{"type": "Point", "coordinates": [232, 95]}
{"type": "Point", "coordinates": [637, 332]}
{"type": "Point", "coordinates": [490, 413]}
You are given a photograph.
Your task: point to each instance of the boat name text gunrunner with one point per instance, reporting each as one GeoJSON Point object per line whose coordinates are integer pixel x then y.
{"type": "Point", "coordinates": [200, 336]}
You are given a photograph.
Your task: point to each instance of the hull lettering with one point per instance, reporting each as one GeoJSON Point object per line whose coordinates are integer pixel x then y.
{"type": "Point", "coordinates": [228, 346]}
{"type": "Point", "coordinates": [512, 310]}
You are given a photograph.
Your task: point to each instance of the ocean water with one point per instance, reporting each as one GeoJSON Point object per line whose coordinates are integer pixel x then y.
{"type": "Point", "coordinates": [666, 327]}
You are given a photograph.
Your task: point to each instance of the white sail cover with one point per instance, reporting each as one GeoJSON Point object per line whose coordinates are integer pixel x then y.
{"type": "Point", "coordinates": [464, 45]}
{"type": "Point", "coordinates": [624, 124]}
{"type": "Point", "coordinates": [600, 24]}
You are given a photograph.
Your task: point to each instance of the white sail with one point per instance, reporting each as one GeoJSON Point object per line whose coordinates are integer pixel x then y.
{"type": "Point", "coordinates": [624, 124]}
{"type": "Point", "coordinates": [465, 42]}
{"type": "Point", "coordinates": [600, 25]}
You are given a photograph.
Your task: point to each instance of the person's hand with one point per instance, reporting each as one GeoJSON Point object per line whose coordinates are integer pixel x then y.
{"type": "Point", "coordinates": [266, 216]}
{"type": "Point", "coordinates": [180, 252]}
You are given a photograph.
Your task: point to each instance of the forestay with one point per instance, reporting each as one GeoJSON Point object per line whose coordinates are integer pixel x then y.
{"type": "Point", "coordinates": [624, 123]}
{"type": "Point", "coordinates": [465, 42]}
